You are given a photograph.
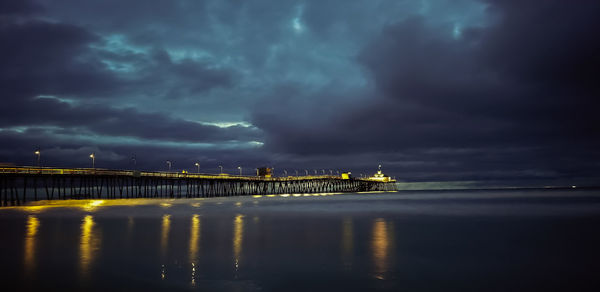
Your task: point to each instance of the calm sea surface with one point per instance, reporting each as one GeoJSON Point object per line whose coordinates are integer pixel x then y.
{"type": "Point", "coordinates": [407, 241]}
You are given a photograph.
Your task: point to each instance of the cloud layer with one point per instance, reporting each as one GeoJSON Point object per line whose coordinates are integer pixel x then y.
{"type": "Point", "coordinates": [492, 92]}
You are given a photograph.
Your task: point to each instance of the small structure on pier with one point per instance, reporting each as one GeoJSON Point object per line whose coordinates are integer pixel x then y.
{"type": "Point", "coordinates": [379, 176]}
{"type": "Point", "coordinates": [265, 171]}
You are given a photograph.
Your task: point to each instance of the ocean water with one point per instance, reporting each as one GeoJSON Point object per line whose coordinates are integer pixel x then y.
{"type": "Point", "coordinates": [536, 240]}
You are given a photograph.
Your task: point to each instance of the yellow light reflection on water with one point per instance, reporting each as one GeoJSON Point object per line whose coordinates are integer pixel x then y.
{"type": "Point", "coordinates": [30, 209]}
{"type": "Point", "coordinates": [194, 240]}
{"type": "Point", "coordinates": [194, 237]}
{"type": "Point", "coordinates": [32, 228]}
{"type": "Point", "coordinates": [89, 243]}
{"type": "Point", "coordinates": [130, 224]}
{"type": "Point", "coordinates": [381, 245]}
{"type": "Point", "coordinates": [238, 234]}
{"type": "Point", "coordinates": [164, 238]}
{"type": "Point", "coordinates": [347, 243]}
{"type": "Point", "coordinates": [93, 205]}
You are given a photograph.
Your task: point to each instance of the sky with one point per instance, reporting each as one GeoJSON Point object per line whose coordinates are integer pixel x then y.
{"type": "Point", "coordinates": [462, 92]}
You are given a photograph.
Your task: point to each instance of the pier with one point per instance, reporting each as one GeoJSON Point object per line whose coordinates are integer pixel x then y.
{"type": "Point", "coordinates": [21, 184]}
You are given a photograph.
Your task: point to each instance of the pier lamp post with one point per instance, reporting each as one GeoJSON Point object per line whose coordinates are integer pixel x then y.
{"type": "Point", "coordinates": [296, 172]}
{"type": "Point", "coordinates": [330, 172]}
{"type": "Point", "coordinates": [285, 172]}
{"type": "Point", "coordinates": [323, 170]}
{"type": "Point", "coordinates": [93, 157]}
{"type": "Point", "coordinates": [198, 166]}
{"type": "Point", "coordinates": [306, 170]}
{"type": "Point", "coordinates": [38, 153]}
{"type": "Point", "coordinates": [169, 163]}
{"type": "Point", "coordinates": [221, 168]}
{"type": "Point", "coordinates": [134, 160]}
{"type": "Point", "coordinates": [256, 171]}
{"type": "Point", "coordinates": [315, 171]}
{"type": "Point", "coordinates": [240, 168]}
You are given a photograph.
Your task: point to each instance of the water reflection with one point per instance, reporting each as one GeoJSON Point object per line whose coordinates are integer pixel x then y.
{"type": "Point", "coordinates": [194, 240]}
{"type": "Point", "coordinates": [382, 245]}
{"type": "Point", "coordinates": [164, 238]}
{"type": "Point", "coordinates": [194, 237]}
{"type": "Point", "coordinates": [130, 225]}
{"type": "Point", "coordinates": [89, 243]}
{"type": "Point", "coordinates": [347, 243]}
{"type": "Point", "coordinates": [92, 205]}
{"type": "Point", "coordinates": [238, 233]}
{"type": "Point", "coordinates": [32, 228]}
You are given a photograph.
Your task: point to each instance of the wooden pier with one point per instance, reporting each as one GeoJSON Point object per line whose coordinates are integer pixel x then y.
{"type": "Point", "coordinates": [21, 184]}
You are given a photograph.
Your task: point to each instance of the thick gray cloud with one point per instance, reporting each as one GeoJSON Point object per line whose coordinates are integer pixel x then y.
{"type": "Point", "coordinates": [499, 92]}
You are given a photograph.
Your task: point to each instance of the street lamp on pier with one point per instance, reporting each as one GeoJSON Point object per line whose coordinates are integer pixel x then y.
{"type": "Point", "coordinates": [330, 172]}
{"type": "Point", "coordinates": [285, 172]}
{"type": "Point", "coordinates": [169, 163]}
{"type": "Point", "coordinates": [323, 170]}
{"type": "Point", "coordinates": [296, 172]}
{"type": "Point", "coordinates": [306, 171]}
{"type": "Point", "coordinates": [134, 160]}
{"type": "Point", "coordinates": [93, 157]}
{"type": "Point", "coordinates": [198, 166]}
{"type": "Point", "coordinates": [315, 171]}
{"type": "Point", "coordinates": [38, 153]}
{"type": "Point", "coordinates": [240, 168]}
{"type": "Point", "coordinates": [221, 168]}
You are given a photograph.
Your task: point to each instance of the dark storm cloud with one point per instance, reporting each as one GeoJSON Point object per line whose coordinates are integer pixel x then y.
{"type": "Point", "coordinates": [513, 99]}
{"type": "Point", "coordinates": [19, 7]}
{"type": "Point", "coordinates": [128, 122]}
{"type": "Point", "coordinates": [181, 79]}
{"type": "Point", "coordinates": [56, 60]}
{"type": "Point", "coordinates": [48, 58]}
